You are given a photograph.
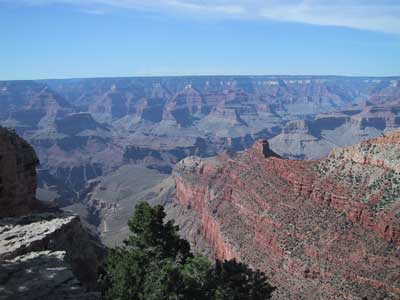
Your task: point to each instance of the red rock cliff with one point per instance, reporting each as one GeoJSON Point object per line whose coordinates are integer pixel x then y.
{"type": "Point", "coordinates": [324, 229]}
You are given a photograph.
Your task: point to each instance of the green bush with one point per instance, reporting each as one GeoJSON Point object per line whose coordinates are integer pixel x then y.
{"type": "Point", "coordinates": [156, 264]}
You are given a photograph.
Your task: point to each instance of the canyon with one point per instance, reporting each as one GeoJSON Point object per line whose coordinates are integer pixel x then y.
{"type": "Point", "coordinates": [298, 176]}
{"type": "Point", "coordinates": [88, 132]}
{"type": "Point", "coordinates": [321, 229]}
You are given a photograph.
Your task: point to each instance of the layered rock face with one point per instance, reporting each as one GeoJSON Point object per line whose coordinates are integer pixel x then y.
{"type": "Point", "coordinates": [326, 229]}
{"type": "Point", "coordinates": [48, 255]}
{"type": "Point", "coordinates": [44, 253]}
{"type": "Point", "coordinates": [28, 105]}
{"type": "Point", "coordinates": [86, 129]}
{"type": "Point", "coordinates": [301, 139]}
{"type": "Point", "coordinates": [314, 139]}
{"type": "Point", "coordinates": [81, 129]}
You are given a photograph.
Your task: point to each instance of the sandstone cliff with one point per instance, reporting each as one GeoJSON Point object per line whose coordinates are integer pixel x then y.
{"type": "Point", "coordinates": [44, 253]}
{"type": "Point", "coordinates": [327, 229]}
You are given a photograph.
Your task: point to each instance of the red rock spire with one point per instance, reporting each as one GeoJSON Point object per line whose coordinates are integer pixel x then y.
{"type": "Point", "coordinates": [262, 150]}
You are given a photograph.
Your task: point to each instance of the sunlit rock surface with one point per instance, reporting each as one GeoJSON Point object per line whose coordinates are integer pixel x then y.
{"type": "Point", "coordinates": [327, 229]}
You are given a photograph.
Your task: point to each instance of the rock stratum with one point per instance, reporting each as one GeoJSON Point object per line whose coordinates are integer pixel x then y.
{"type": "Point", "coordinates": [44, 253]}
{"type": "Point", "coordinates": [326, 229]}
{"type": "Point", "coordinates": [85, 131]}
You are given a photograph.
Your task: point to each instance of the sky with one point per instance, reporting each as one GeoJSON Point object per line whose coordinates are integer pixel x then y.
{"type": "Point", "coordinates": [42, 39]}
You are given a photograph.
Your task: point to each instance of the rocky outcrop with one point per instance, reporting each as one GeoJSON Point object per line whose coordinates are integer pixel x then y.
{"type": "Point", "coordinates": [51, 232]}
{"type": "Point", "coordinates": [261, 149]}
{"type": "Point", "coordinates": [41, 275]}
{"type": "Point", "coordinates": [325, 229]}
{"type": "Point", "coordinates": [44, 253]}
{"type": "Point", "coordinates": [17, 175]}
{"type": "Point", "coordinates": [301, 139]}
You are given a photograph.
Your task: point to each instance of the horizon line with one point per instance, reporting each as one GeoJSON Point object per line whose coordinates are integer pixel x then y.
{"type": "Point", "coordinates": [204, 75]}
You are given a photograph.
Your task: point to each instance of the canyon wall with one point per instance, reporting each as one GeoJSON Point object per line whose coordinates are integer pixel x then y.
{"type": "Point", "coordinates": [326, 229]}
{"type": "Point", "coordinates": [87, 129]}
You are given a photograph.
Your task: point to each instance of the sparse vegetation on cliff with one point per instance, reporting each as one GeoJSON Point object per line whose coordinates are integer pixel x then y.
{"type": "Point", "coordinates": [155, 263]}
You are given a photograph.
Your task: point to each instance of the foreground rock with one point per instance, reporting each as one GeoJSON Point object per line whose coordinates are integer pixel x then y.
{"type": "Point", "coordinates": [41, 275]}
{"type": "Point", "coordinates": [327, 229]}
{"type": "Point", "coordinates": [44, 253]}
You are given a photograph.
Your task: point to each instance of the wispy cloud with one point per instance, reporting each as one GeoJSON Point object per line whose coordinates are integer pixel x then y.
{"type": "Point", "coordinates": [93, 12]}
{"type": "Point", "coordinates": [377, 15]}
{"type": "Point", "coordinates": [381, 15]}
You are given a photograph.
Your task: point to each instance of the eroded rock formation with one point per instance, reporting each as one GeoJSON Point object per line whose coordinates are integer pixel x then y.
{"type": "Point", "coordinates": [86, 129]}
{"type": "Point", "coordinates": [325, 229]}
{"type": "Point", "coordinates": [44, 253]}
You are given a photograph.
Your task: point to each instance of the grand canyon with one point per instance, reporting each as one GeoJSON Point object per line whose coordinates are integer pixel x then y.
{"type": "Point", "coordinates": [298, 176]}
{"type": "Point", "coordinates": [86, 130]}
{"type": "Point", "coordinates": [323, 229]}
{"type": "Point", "coordinates": [199, 150]}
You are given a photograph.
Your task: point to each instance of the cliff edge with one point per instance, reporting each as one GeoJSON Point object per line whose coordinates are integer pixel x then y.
{"type": "Point", "coordinates": [44, 253]}
{"type": "Point", "coordinates": [327, 229]}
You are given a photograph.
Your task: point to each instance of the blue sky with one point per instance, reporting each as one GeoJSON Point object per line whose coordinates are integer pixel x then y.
{"type": "Point", "coordinates": [99, 38]}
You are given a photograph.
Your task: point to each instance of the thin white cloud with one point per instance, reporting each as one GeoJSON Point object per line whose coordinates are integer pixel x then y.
{"type": "Point", "coordinates": [377, 15]}
{"type": "Point", "coordinates": [93, 12]}
{"type": "Point", "coordinates": [223, 8]}
{"type": "Point", "coordinates": [371, 15]}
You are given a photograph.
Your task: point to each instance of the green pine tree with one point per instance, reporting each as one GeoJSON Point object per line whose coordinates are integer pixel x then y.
{"type": "Point", "coordinates": [156, 264]}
